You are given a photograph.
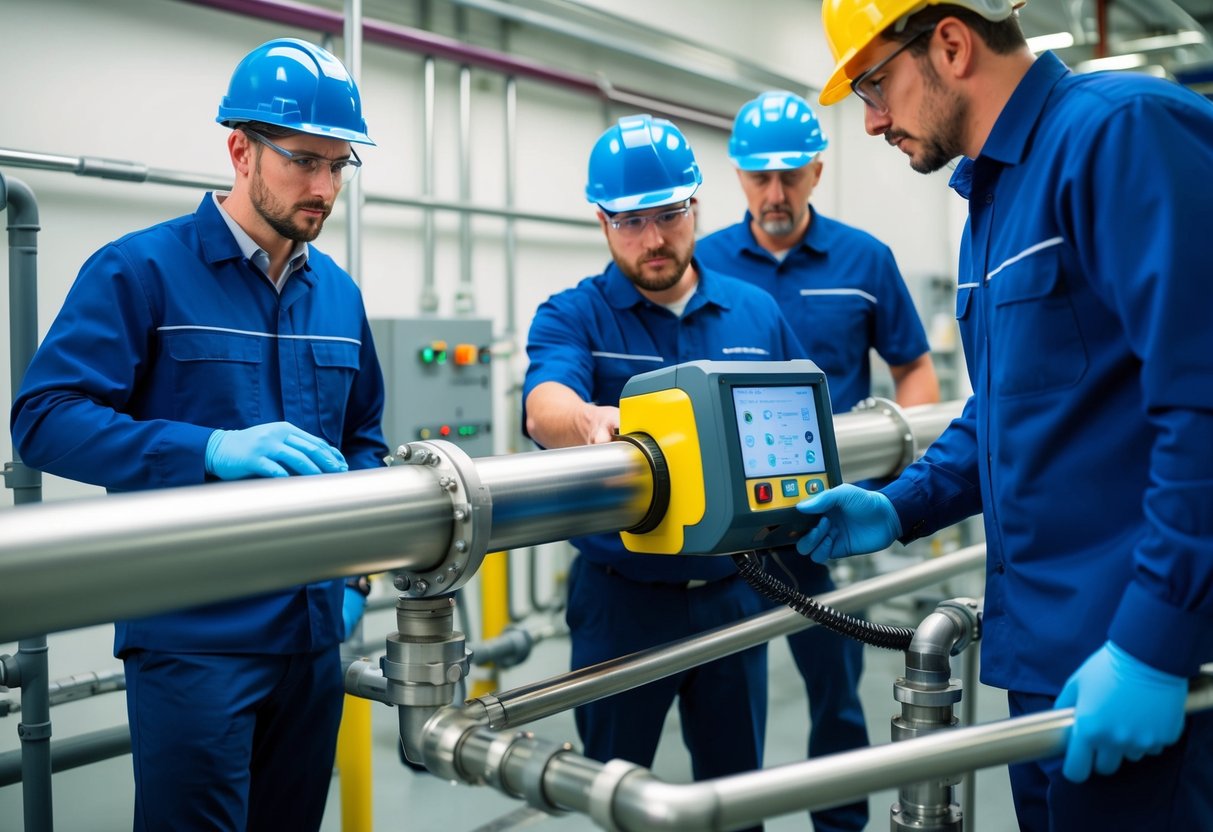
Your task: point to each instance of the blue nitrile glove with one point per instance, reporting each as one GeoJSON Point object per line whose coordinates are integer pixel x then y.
{"type": "Point", "coordinates": [854, 521]}
{"type": "Point", "coordinates": [352, 608]}
{"type": "Point", "coordinates": [277, 449]}
{"type": "Point", "coordinates": [1123, 710]}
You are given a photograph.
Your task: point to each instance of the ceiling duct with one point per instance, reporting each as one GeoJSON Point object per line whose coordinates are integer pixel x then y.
{"type": "Point", "coordinates": [1170, 38]}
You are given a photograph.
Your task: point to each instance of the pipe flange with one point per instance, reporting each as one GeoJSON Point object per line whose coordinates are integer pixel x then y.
{"type": "Point", "coordinates": [891, 409]}
{"type": "Point", "coordinates": [602, 792]}
{"type": "Point", "coordinates": [471, 516]}
{"type": "Point", "coordinates": [909, 693]}
{"type": "Point", "coordinates": [532, 774]}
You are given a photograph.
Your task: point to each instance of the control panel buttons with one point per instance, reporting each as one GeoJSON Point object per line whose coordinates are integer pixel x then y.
{"type": "Point", "coordinates": [763, 493]}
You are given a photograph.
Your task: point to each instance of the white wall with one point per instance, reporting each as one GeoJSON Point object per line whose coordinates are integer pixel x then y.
{"type": "Point", "coordinates": [140, 80]}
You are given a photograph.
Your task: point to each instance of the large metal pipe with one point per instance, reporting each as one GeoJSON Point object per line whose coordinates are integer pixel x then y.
{"type": "Point", "coordinates": [576, 491]}
{"type": "Point", "coordinates": [878, 438]}
{"type": "Point", "coordinates": [137, 554]}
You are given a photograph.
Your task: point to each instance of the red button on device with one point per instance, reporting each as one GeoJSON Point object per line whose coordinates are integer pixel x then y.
{"type": "Point", "coordinates": [763, 493]}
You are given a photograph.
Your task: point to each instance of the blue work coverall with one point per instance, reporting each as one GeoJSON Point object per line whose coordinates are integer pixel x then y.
{"type": "Point", "coordinates": [168, 334]}
{"type": "Point", "coordinates": [843, 294]}
{"type": "Point", "coordinates": [1084, 299]}
{"type": "Point", "coordinates": [593, 338]}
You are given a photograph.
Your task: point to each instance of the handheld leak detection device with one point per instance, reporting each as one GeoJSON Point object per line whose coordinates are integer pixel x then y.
{"type": "Point", "coordinates": [742, 443]}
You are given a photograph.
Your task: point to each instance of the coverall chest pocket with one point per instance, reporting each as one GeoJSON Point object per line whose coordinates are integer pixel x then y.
{"type": "Point", "coordinates": [836, 329]}
{"type": "Point", "coordinates": [336, 363]}
{"type": "Point", "coordinates": [216, 377]}
{"type": "Point", "coordinates": [1036, 345]}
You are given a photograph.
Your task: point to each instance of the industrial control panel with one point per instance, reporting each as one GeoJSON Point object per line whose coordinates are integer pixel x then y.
{"type": "Point", "coordinates": [439, 378]}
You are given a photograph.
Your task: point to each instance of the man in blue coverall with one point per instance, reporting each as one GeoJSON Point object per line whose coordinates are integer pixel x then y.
{"type": "Point", "coordinates": [1083, 301]}
{"type": "Point", "coordinates": [221, 346]}
{"type": "Point", "coordinates": [652, 307]}
{"type": "Point", "coordinates": [840, 289]}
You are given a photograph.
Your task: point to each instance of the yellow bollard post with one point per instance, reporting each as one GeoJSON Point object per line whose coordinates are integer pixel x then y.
{"type": "Point", "coordinates": [354, 765]}
{"type": "Point", "coordinates": [494, 610]}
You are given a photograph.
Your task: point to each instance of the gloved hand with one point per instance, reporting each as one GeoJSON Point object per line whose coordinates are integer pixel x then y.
{"type": "Point", "coordinates": [276, 449]}
{"type": "Point", "coordinates": [1123, 710]}
{"type": "Point", "coordinates": [352, 607]}
{"type": "Point", "coordinates": [854, 521]}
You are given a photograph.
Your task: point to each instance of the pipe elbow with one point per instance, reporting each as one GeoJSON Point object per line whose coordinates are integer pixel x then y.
{"type": "Point", "coordinates": [642, 802]}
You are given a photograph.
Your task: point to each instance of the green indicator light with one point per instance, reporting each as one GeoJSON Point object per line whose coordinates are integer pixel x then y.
{"type": "Point", "coordinates": [427, 355]}
{"type": "Point", "coordinates": [440, 356]}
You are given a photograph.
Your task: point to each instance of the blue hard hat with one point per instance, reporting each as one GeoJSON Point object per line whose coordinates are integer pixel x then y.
{"type": "Point", "coordinates": [776, 131]}
{"type": "Point", "coordinates": [297, 85]}
{"type": "Point", "coordinates": [641, 162]}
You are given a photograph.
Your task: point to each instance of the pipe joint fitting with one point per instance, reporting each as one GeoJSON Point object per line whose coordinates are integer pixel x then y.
{"type": "Point", "coordinates": [442, 738]}
{"type": "Point", "coordinates": [602, 792]}
{"type": "Point", "coordinates": [524, 767]}
{"type": "Point", "coordinates": [471, 517]}
{"type": "Point", "coordinates": [891, 410]}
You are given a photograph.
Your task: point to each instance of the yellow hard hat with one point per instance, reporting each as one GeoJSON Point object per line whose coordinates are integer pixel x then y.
{"type": "Point", "coordinates": [850, 25]}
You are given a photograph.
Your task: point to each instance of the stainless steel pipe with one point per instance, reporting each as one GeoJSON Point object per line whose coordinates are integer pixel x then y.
{"type": "Point", "coordinates": [576, 491]}
{"type": "Point", "coordinates": [130, 555]}
{"type": "Point", "coordinates": [535, 701]}
{"type": "Point", "coordinates": [624, 796]}
{"type": "Point", "coordinates": [879, 439]}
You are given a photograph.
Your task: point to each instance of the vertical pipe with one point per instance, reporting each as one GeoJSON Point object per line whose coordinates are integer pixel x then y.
{"type": "Point", "coordinates": [1100, 49]}
{"type": "Point", "coordinates": [34, 677]}
{"type": "Point", "coordinates": [429, 297]}
{"type": "Point", "coordinates": [969, 681]}
{"type": "Point", "coordinates": [353, 191]}
{"type": "Point", "coordinates": [513, 432]}
{"type": "Point", "coordinates": [465, 302]}
{"type": "Point", "coordinates": [22, 314]}
{"type": "Point", "coordinates": [511, 230]}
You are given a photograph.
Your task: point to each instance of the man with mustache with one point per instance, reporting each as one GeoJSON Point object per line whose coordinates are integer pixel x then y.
{"type": "Point", "coordinates": [1083, 299]}
{"type": "Point", "coordinates": [841, 290]}
{"type": "Point", "coordinates": [653, 306]}
{"type": "Point", "coordinates": [219, 346]}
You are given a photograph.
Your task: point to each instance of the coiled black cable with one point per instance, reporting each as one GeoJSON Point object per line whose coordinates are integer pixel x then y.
{"type": "Point", "coordinates": [878, 635]}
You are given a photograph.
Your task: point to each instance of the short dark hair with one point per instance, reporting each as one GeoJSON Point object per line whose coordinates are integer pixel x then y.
{"type": "Point", "coordinates": [273, 131]}
{"type": "Point", "coordinates": [1003, 36]}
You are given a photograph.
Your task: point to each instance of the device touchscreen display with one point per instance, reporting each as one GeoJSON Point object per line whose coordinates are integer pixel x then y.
{"type": "Point", "coordinates": [778, 429]}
